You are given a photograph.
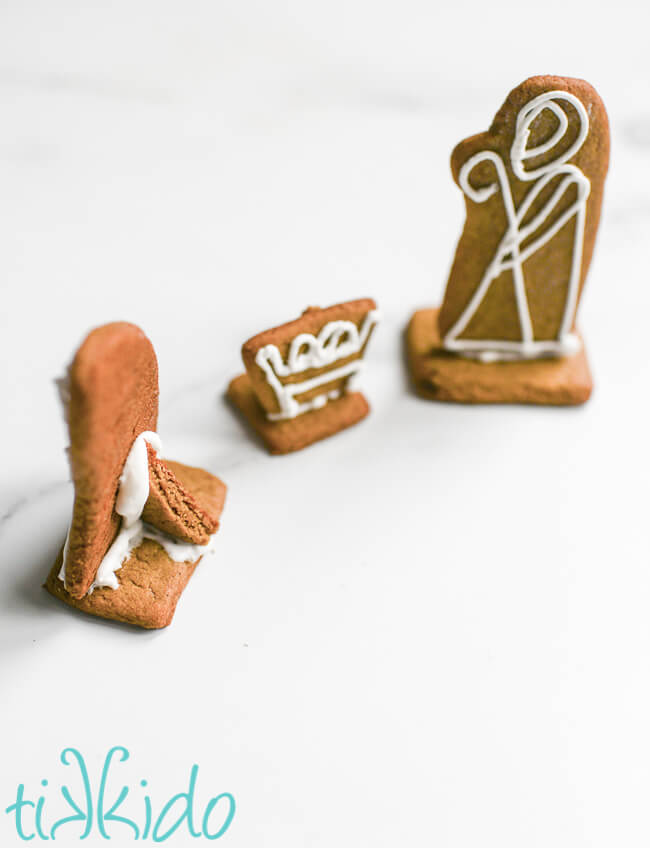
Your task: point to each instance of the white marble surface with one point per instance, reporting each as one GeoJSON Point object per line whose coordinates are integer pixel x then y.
{"type": "Point", "coordinates": [431, 630]}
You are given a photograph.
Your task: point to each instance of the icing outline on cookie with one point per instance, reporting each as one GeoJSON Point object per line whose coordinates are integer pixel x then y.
{"type": "Point", "coordinates": [509, 254]}
{"type": "Point", "coordinates": [335, 341]}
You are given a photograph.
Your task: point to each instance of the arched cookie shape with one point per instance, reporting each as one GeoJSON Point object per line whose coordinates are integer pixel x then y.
{"type": "Point", "coordinates": [140, 524]}
{"type": "Point", "coordinates": [533, 187]}
{"type": "Point", "coordinates": [111, 396]}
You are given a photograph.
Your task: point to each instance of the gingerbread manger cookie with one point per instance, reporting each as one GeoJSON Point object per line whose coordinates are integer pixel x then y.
{"type": "Point", "coordinates": [533, 186]}
{"type": "Point", "coordinates": [140, 524]}
{"type": "Point", "coordinates": [299, 382]}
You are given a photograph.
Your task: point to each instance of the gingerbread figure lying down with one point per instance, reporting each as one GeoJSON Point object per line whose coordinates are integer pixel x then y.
{"type": "Point", "coordinates": [140, 524]}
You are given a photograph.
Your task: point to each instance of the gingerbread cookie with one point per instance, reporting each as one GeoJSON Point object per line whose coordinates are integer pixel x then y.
{"type": "Point", "coordinates": [171, 506]}
{"type": "Point", "coordinates": [140, 524]}
{"type": "Point", "coordinates": [298, 385]}
{"type": "Point", "coordinates": [533, 186]}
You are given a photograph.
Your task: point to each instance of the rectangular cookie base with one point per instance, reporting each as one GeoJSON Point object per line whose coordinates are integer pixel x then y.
{"type": "Point", "coordinates": [150, 586]}
{"type": "Point", "coordinates": [293, 434]}
{"type": "Point", "coordinates": [440, 375]}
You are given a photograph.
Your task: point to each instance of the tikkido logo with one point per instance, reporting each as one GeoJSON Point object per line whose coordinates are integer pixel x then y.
{"type": "Point", "coordinates": [96, 813]}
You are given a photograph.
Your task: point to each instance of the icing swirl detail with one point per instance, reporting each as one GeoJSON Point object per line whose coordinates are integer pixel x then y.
{"type": "Point", "coordinates": [510, 254]}
{"type": "Point", "coordinates": [336, 341]}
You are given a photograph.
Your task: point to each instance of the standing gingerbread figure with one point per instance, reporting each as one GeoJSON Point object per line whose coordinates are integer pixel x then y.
{"type": "Point", "coordinates": [533, 187]}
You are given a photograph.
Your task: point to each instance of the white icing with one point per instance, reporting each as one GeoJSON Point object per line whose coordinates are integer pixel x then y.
{"type": "Point", "coordinates": [132, 495]}
{"type": "Point", "coordinates": [133, 489]}
{"type": "Point", "coordinates": [175, 549]}
{"type": "Point", "coordinates": [129, 538]}
{"type": "Point", "coordinates": [510, 255]}
{"type": "Point", "coordinates": [126, 540]}
{"type": "Point", "coordinates": [335, 341]}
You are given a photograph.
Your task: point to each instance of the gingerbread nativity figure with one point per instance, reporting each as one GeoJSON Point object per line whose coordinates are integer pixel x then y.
{"type": "Point", "coordinates": [533, 186]}
{"type": "Point", "coordinates": [300, 380]}
{"type": "Point", "coordinates": [140, 524]}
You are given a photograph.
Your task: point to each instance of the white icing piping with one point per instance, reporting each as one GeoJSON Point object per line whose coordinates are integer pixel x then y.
{"type": "Point", "coordinates": [335, 341]}
{"type": "Point", "coordinates": [509, 254]}
{"type": "Point", "coordinates": [133, 489]}
{"type": "Point", "coordinates": [132, 495]}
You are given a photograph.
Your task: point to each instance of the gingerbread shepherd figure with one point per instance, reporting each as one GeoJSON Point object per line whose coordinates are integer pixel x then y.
{"type": "Point", "coordinates": [533, 186]}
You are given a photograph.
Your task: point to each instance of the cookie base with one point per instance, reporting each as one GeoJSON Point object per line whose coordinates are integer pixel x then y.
{"type": "Point", "coordinates": [150, 582]}
{"type": "Point", "coordinates": [440, 375]}
{"type": "Point", "coordinates": [150, 586]}
{"type": "Point", "coordinates": [293, 434]}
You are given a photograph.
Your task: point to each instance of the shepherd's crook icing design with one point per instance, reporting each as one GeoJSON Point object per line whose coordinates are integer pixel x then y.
{"type": "Point", "coordinates": [510, 254]}
{"type": "Point", "coordinates": [336, 341]}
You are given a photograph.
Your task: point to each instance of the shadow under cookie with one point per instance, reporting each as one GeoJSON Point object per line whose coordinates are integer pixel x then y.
{"type": "Point", "coordinates": [293, 434]}
{"type": "Point", "coordinates": [440, 375]}
{"type": "Point", "coordinates": [150, 585]}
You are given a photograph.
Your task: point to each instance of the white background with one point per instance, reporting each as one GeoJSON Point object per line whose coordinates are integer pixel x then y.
{"type": "Point", "coordinates": [432, 630]}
